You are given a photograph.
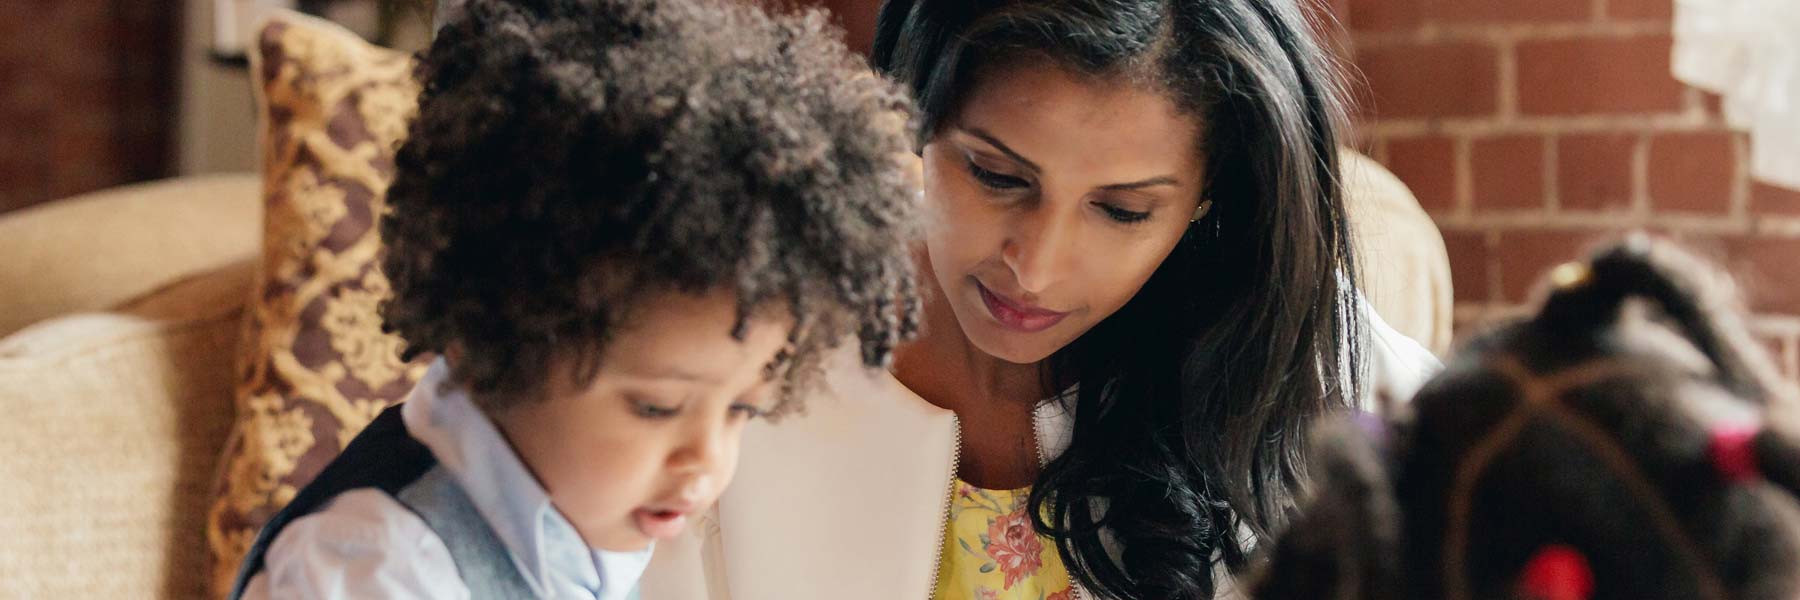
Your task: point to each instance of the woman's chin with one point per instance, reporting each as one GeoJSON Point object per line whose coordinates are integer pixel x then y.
{"type": "Point", "coordinates": [1012, 346]}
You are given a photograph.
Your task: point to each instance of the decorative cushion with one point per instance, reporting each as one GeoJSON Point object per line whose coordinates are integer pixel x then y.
{"type": "Point", "coordinates": [314, 365]}
{"type": "Point", "coordinates": [112, 433]}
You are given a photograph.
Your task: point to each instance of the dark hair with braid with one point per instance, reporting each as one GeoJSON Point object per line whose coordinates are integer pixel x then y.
{"type": "Point", "coordinates": [1193, 398]}
{"type": "Point", "coordinates": [1627, 441]}
{"type": "Point", "coordinates": [572, 157]}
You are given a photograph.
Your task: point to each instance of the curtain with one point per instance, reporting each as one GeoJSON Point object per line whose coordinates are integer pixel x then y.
{"type": "Point", "coordinates": [1748, 52]}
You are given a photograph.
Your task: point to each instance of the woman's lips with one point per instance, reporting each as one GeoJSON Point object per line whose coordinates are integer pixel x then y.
{"type": "Point", "coordinates": [1017, 317]}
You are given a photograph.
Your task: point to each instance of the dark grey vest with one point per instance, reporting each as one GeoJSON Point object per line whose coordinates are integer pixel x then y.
{"type": "Point", "coordinates": [385, 457]}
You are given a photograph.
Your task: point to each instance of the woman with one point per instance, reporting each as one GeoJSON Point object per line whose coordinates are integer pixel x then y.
{"type": "Point", "coordinates": [1139, 294]}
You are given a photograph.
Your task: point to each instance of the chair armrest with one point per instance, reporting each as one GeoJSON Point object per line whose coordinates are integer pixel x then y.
{"type": "Point", "coordinates": [93, 251]}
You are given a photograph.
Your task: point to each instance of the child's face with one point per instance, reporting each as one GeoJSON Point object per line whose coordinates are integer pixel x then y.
{"type": "Point", "coordinates": [653, 440]}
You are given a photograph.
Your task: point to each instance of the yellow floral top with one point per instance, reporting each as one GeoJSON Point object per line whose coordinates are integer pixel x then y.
{"type": "Point", "coordinates": [991, 551]}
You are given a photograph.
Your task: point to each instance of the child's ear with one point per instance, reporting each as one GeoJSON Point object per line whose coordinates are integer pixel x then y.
{"type": "Point", "coordinates": [1346, 543]}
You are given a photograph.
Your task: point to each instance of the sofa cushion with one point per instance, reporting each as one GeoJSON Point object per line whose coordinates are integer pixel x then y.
{"type": "Point", "coordinates": [316, 367]}
{"type": "Point", "coordinates": [111, 438]}
{"type": "Point", "coordinates": [1399, 253]}
{"type": "Point", "coordinates": [92, 251]}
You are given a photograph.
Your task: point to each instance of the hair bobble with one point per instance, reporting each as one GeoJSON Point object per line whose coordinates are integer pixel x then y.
{"type": "Point", "coordinates": [1733, 453]}
{"type": "Point", "coordinates": [1557, 572]}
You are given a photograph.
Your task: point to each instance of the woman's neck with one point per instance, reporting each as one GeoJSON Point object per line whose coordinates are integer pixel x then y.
{"type": "Point", "coordinates": [993, 399]}
{"type": "Point", "coordinates": [946, 369]}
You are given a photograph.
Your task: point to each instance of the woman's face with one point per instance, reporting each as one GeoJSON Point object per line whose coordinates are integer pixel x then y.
{"type": "Point", "coordinates": [1056, 195]}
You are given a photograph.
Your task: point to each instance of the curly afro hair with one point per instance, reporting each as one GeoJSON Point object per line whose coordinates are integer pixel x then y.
{"type": "Point", "coordinates": [572, 157]}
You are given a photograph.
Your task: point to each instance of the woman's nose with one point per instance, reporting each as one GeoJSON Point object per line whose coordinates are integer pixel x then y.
{"type": "Point", "coordinates": [1039, 245]}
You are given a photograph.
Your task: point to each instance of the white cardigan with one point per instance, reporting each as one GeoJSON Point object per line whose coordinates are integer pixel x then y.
{"type": "Point", "coordinates": [847, 500]}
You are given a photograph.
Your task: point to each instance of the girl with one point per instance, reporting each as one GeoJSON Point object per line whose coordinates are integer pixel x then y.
{"type": "Point", "coordinates": [1585, 452]}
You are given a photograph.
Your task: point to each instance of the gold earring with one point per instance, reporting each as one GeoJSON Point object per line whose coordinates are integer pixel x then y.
{"type": "Point", "coordinates": [1201, 210]}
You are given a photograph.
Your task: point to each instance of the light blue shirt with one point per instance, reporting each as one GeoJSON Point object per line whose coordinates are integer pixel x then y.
{"type": "Point", "coordinates": [365, 544]}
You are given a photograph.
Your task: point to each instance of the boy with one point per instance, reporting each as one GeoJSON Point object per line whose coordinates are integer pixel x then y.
{"type": "Point", "coordinates": [626, 227]}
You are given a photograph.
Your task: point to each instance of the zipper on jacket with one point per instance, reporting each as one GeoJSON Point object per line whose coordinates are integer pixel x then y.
{"type": "Point", "coordinates": [937, 550]}
{"type": "Point", "coordinates": [937, 564]}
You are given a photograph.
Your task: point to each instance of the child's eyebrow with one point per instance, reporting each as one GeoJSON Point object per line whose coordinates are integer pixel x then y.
{"type": "Point", "coordinates": [676, 373]}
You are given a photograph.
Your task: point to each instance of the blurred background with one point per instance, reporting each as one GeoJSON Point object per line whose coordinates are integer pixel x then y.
{"type": "Point", "coordinates": [1524, 127]}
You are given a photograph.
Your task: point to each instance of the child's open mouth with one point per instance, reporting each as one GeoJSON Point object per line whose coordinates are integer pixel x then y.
{"type": "Point", "coordinates": [659, 523]}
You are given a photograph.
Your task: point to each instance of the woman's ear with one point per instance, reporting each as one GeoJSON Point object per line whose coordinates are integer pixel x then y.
{"type": "Point", "coordinates": [1346, 543]}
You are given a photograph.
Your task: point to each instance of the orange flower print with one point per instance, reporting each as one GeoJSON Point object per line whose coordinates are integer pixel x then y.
{"type": "Point", "coordinates": [986, 593]}
{"type": "Point", "coordinates": [1014, 546]}
{"type": "Point", "coordinates": [1062, 595]}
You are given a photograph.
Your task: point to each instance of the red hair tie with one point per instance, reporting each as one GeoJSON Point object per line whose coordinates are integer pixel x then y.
{"type": "Point", "coordinates": [1733, 454]}
{"type": "Point", "coordinates": [1558, 572]}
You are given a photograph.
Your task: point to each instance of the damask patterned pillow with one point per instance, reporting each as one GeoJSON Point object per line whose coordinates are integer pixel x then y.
{"type": "Point", "coordinates": [314, 365]}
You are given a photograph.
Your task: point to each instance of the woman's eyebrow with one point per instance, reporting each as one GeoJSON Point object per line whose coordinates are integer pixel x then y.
{"type": "Point", "coordinates": [1137, 185]}
{"type": "Point", "coordinates": [991, 140]}
{"type": "Point", "coordinates": [983, 135]}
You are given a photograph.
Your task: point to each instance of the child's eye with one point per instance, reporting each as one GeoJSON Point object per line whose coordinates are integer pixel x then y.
{"type": "Point", "coordinates": [748, 411]}
{"type": "Point", "coordinates": [1122, 215]}
{"type": "Point", "coordinates": [650, 410]}
{"type": "Point", "coordinates": [995, 181]}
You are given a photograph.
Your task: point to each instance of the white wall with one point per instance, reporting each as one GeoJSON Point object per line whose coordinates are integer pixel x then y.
{"type": "Point", "coordinates": [216, 122]}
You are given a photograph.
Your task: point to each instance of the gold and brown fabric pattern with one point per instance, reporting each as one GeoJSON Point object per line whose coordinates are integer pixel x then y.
{"type": "Point", "coordinates": [314, 365]}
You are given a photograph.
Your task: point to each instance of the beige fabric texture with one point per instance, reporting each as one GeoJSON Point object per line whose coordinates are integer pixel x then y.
{"type": "Point", "coordinates": [1404, 266]}
{"type": "Point", "coordinates": [93, 251]}
{"type": "Point", "coordinates": [111, 436]}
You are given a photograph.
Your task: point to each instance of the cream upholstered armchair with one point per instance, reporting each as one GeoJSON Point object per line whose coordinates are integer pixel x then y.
{"type": "Point", "coordinates": [120, 317]}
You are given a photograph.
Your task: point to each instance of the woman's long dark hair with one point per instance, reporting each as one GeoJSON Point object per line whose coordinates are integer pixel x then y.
{"type": "Point", "coordinates": [1193, 398]}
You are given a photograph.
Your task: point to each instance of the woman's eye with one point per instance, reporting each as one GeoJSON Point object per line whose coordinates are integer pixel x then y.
{"type": "Point", "coordinates": [1122, 215]}
{"type": "Point", "coordinates": [995, 181]}
{"type": "Point", "coordinates": [650, 410]}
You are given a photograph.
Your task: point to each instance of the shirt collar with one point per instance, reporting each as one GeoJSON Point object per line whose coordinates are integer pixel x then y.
{"type": "Point", "coordinates": [543, 544]}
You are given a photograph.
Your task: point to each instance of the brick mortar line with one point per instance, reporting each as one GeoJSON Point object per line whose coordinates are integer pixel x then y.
{"type": "Point", "coordinates": [1773, 226]}
{"type": "Point", "coordinates": [1763, 226]}
{"type": "Point", "coordinates": [1495, 125]}
{"type": "Point", "coordinates": [1510, 32]}
{"type": "Point", "coordinates": [1487, 311]}
{"type": "Point", "coordinates": [1782, 326]}
{"type": "Point", "coordinates": [1766, 325]}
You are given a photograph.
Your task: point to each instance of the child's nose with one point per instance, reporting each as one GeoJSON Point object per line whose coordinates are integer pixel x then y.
{"type": "Point", "coordinates": [702, 450]}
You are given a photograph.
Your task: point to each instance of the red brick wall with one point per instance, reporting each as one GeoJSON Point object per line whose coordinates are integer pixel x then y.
{"type": "Point", "coordinates": [1529, 128]}
{"type": "Point", "coordinates": [85, 95]}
